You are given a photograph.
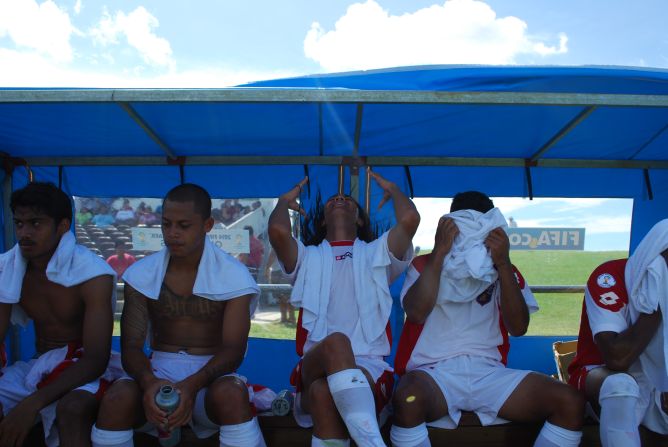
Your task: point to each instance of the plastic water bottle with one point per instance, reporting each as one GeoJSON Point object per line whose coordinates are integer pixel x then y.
{"type": "Point", "coordinates": [282, 404]}
{"type": "Point", "coordinates": [167, 399]}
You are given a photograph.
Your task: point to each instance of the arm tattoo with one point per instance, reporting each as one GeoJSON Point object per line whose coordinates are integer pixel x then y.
{"type": "Point", "coordinates": [134, 321]}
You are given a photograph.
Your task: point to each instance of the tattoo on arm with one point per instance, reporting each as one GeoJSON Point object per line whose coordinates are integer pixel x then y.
{"type": "Point", "coordinates": [134, 321]}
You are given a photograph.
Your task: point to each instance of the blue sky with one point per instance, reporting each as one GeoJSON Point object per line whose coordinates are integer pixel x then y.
{"type": "Point", "coordinates": [218, 43]}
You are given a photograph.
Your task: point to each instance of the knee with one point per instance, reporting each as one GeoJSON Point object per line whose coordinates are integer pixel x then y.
{"type": "Point", "coordinates": [120, 400]}
{"type": "Point", "coordinates": [228, 393]}
{"type": "Point", "coordinates": [618, 385]}
{"type": "Point", "coordinates": [319, 395]}
{"type": "Point", "coordinates": [570, 404]}
{"type": "Point", "coordinates": [76, 406]}
{"type": "Point", "coordinates": [407, 399]}
{"type": "Point", "coordinates": [337, 344]}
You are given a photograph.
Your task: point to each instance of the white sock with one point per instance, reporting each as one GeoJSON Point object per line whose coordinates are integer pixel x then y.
{"type": "Point", "coordinates": [317, 442]}
{"type": "Point", "coordinates": [417, 436]}
{"type": "Point", "coordinates": [618, 398]}
{"type": "Point", "coordinates": [554, 436]}
{"type": "Point", "coordinates": [246, 434]}
{"type": "Point", "coordinates": [354, 399]}
{"type": "Point", "coordinates": [111, 438]}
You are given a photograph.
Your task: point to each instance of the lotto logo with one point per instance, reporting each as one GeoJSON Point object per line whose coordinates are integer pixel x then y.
{"type": "Point", "coordinates": [610, 301]}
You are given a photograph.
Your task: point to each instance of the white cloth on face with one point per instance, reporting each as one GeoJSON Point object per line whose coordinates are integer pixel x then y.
{"type": "Point", "coordinates": [646, 277]}
{"type": "Point", "coordinates": [220, 277]}
{"type": "Point", "coordinates": [468, 269]}
{"type": "Point", "coordinates": [70, 265]}
{"type": "Point", "coordinates": [371, 262]}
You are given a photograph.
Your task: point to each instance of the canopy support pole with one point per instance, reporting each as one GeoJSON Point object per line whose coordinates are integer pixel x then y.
{"type": "Point", "coordinates": [354, 167]}
{"type": "Point", "coordinates": [563, 132]}
{"type": "Point", "coordinates": [648, 184]}
{"type": "Point", "coordinates": [149, 131]}
{"type": "Point", "coordinates": [9, 240]}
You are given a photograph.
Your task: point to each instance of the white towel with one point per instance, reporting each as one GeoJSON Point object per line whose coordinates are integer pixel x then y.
{"type": "Point", "coordinates": [70, 265]}
{"type": "Point", "coordinates": [312, 287]}
{"type": "Point", "coordinates": [220, 277]}
{"type": "Point", "coordinates": [468, 269]}
{"type": "Point", "coordinates": [646, 277]}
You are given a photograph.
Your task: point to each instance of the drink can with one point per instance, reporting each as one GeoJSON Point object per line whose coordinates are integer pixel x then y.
{"type": "Point", "coordinates": [282, 404]}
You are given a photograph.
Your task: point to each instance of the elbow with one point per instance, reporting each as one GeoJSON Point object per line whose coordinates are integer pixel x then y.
{"type": "Point", "coordinates": [518, 332]}
{"type": "Point", "coordinates": [410, 221]}
{"type": "Point", "coordinates": [416, 316]}
{"type": "Point", "coordinates": [278, 232]}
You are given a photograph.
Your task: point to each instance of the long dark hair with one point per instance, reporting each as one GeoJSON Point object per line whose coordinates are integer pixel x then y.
{"type": "Point", "coordinates": [313, 232]}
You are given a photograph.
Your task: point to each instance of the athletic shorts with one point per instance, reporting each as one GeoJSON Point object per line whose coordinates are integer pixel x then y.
{"type": "Point", "coordinates": [380, 371]}
{"type": "Point", "coordinates": [21, 379]}
{"type": "Point", "coordinates": [471, 383]}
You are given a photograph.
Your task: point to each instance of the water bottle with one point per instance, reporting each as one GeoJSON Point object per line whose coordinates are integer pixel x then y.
{"type": "Point", "coordinates": [282, 404]}
{"type": "Point", "coordinates": [167, 399]}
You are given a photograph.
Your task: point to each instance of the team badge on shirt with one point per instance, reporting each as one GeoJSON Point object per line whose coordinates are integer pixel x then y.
{"type": "Point", "coordinates": [486, 296]}
{"type": "Point", "coordinates": [606, 280]}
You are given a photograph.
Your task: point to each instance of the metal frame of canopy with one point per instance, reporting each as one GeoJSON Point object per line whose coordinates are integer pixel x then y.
{"type": "Point", "coordinates": [125, 97]}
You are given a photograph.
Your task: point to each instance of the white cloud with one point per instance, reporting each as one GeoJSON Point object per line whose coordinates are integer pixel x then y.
{"type": "Point", "coordinates": [137, 28]}
{"type": "Point", "coordinates": [456, 32]}
{"type": "Point", "coordinates": [22, 69]}
{"type": "Point", "coordinates": [77, 7]}
{"type": "Point", "coordinates": [43, 28]}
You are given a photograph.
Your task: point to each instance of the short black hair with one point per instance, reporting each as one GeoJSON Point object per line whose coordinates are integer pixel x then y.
{"type": "Point", "coordinates": [189, 192]}
{"type": "Point", "coordinates": [44, 197]}
{"type": "Point", "coordinates": [471, 200]}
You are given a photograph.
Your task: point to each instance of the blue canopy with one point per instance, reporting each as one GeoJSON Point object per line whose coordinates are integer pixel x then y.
{"type": "Point", "coordinates": [508, 131]}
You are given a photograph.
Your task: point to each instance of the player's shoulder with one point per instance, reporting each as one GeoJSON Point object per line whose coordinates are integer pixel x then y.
{"type": "Point", "coordinates": [606, 285]}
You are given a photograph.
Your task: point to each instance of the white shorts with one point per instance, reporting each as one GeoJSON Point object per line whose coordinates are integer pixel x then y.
{"type": "Point", "coordinates": [19, 381]}
{"type": "Point", "coordinates": [175, 367]}
{"type": "Point", "coordinates": [373, 365]}
{"type": "Point", "coordinates": [471, 383]}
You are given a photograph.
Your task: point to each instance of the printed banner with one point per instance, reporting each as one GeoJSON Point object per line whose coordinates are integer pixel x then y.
{"type": "Point", "coordinates": [232, 241]}
{"type": "Point", "coordinates": [546, 238]}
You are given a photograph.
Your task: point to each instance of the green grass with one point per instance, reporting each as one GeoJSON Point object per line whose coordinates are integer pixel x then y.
{"type": "Point", "coordinates": [559, 313]}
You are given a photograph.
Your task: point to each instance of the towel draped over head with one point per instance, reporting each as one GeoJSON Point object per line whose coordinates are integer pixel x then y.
{"type": "Point", "coordinates": [220, 277]}
{"type": "Point", "coordinates": [468, 269]}
{"type": "Point", "coordinates": [646, 277]}
{"type": "Point", "coordinates": [70, 265]}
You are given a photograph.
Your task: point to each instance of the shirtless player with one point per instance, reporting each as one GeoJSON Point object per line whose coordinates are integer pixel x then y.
{"type": "Point", "coordinates": [67, 291]}
{"type": "Point", "coordinates": [193, 301]}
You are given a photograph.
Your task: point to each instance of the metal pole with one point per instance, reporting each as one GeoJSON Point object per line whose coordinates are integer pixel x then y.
{"type": "Point", "coordinates": [341, 179]}
{"type": "Point", "coordinates": [9, 242]}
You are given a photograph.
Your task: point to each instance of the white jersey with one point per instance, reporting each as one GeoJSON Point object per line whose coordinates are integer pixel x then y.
{"type": "Point", "coordinates": [342, 310]}
{"type": "Point", "coordinates": [471, 328]}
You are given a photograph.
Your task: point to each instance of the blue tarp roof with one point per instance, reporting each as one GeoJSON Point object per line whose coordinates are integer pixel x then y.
{"type": "Point", "coordinates": [437, 130]}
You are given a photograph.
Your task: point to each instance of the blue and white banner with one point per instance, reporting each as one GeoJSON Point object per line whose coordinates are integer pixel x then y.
{"type": "Point", "coordinates": [232, 241]}
{"type": "Point", "coordinates": [546, 238]}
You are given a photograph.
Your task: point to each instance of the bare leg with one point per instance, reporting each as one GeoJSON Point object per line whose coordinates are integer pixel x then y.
{"type": "Point", "coordinates": [418, 399]}
{"type": "Point", "coordinates": [227, 405]}
{"type": "Point", "coordinates": [332, 360]}
{"type": "Point", "coordinates": [75, 416]}
{"type": "Point", "coordinates": [539, 397]}
{"type": "Point", "coordinates": [227, 401]}
{"type": "Point", "coordinates": [121, 407]}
